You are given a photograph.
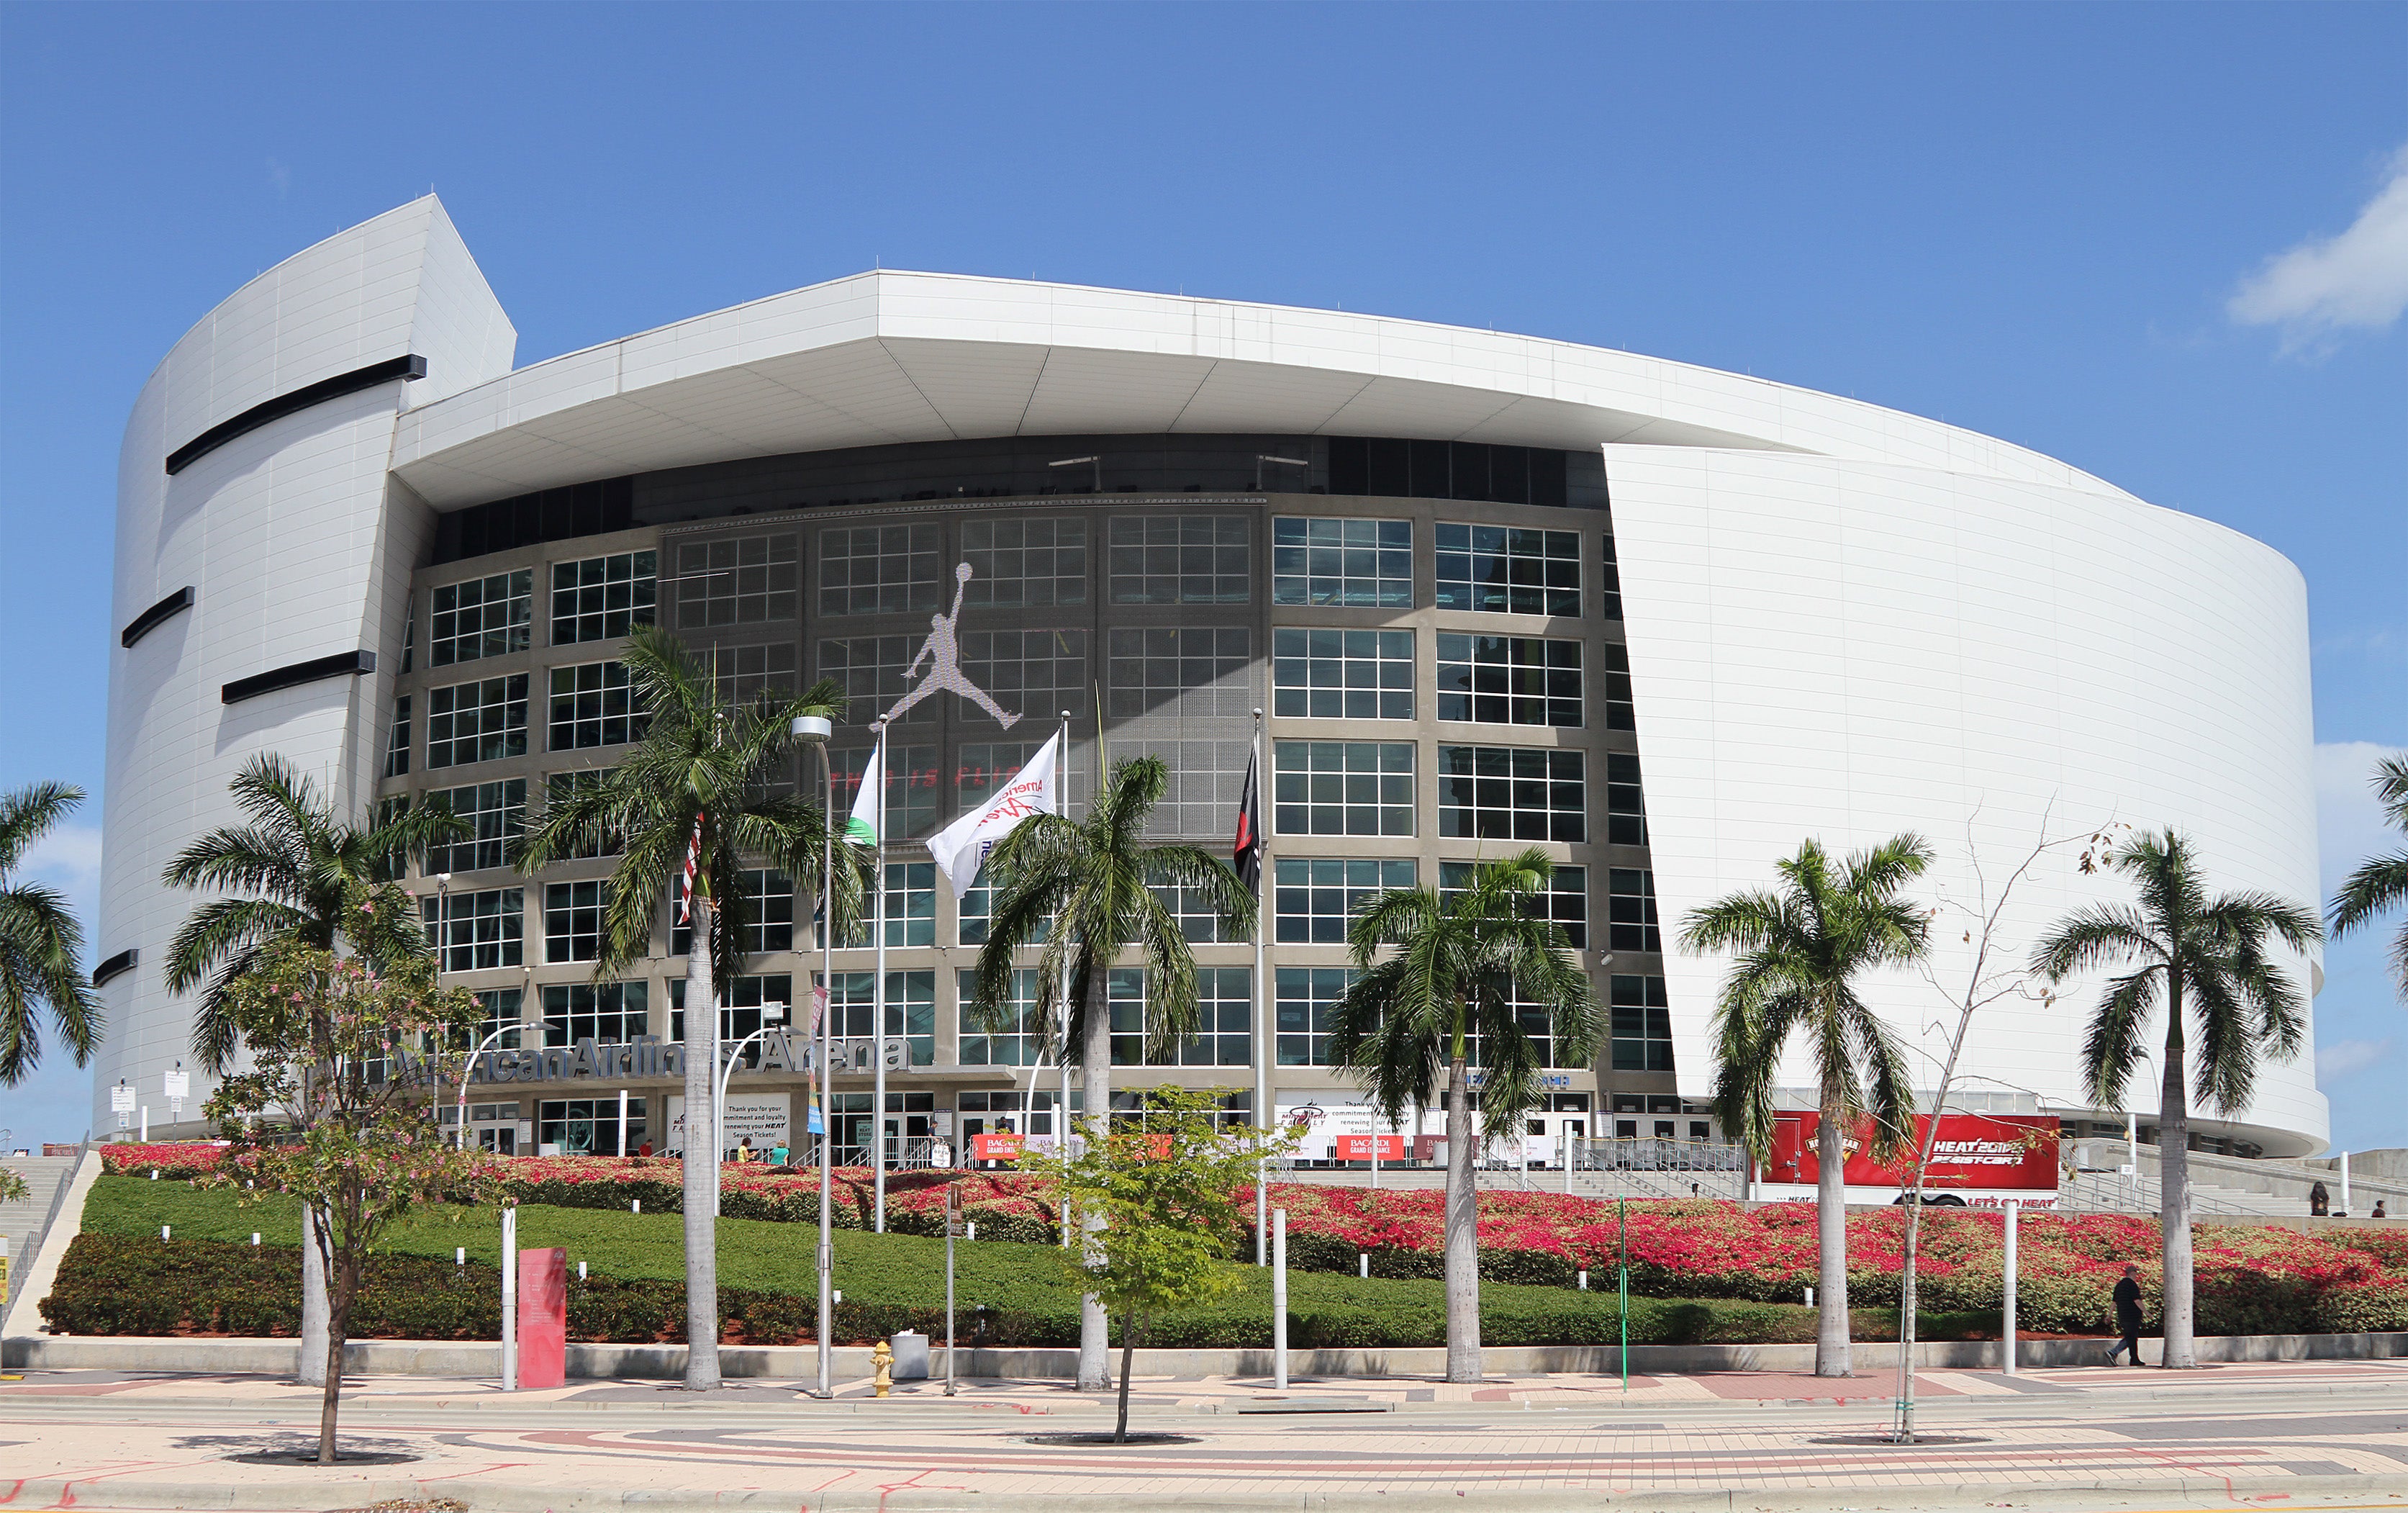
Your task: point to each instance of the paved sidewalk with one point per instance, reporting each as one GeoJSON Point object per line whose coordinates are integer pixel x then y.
{"type": "Point", "coordinates": [2298, 1435]}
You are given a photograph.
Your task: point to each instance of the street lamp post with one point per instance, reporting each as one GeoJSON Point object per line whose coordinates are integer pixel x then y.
{"type": "Point", "coordinates": [773, 1014]}
{"type": "Point", "coordinates": [470, 1065]}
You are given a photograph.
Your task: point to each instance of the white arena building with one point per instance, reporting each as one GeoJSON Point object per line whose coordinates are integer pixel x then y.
{"type": "Point", "coordinates": [1663, 621]}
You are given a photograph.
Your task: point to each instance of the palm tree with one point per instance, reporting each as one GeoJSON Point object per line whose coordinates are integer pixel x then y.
{"type": "Point", "coordinates": [2381, 883]}
{"type": "Point", "coordinates": [290, 870]}
{"type": "Point", "coordinates": [1080, 888]}
{"type": "Point", "coordinates": [1801, 951]}
{"type": "Point", "coordinates": [701, 775]}
{"type": "Point", "coordinates": [2192, 953]}
{"type": "Point", "coordinates": [41, 943]}
{"type": "Point", "coordinates": [1474, 964]}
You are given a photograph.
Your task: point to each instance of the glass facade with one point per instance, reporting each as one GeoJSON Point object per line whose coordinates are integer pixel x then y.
{"type": "Point", "coordinates": [602, 599]}
{"type": "Point", "coordinates": [1343, 787]}
{"type": "Point", "coordinates": [1347, 562]}
{"type": "Point", "coordinates": [491, 616]}
{"type": "Point", "coordinates": [485, 721]}
{"type": "Point", "coordinates": [1342, 675]}
{"type": "Point", "coordinates": [1181, 559]}
{"type": "Point", "coordinates": [1314, 899]}
{"type": "Point", "coordinates": [1509, 679]}
{"type": "Point", "coordinates": [1502, 570]}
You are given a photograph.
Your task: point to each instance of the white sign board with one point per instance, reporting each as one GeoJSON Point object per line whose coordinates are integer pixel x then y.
{"type": "Point", "coordinates": [767, 1118]}
{"type": "Point", "coordinates": [120, 1099]}
{"type": "Point", "coordinates": [180, 1085]}
{"type": "Point", "coordinates": [1325, 1120]}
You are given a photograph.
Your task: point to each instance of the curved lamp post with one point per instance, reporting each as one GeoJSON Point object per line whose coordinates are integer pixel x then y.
{"type": "Point", "coordinates": [815, 729]}
{"type": "Point", "coordinates": [772, 1015]}
{"type": "Point", "coordinates": [468, 1066]}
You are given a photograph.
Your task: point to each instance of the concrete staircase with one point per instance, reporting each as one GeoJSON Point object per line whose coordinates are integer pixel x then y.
{"type": "Point", "coordinates": [20, 1222]}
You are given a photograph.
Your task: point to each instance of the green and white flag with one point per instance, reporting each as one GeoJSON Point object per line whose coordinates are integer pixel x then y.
{"type": "Point", "coordinates": [861, 828]}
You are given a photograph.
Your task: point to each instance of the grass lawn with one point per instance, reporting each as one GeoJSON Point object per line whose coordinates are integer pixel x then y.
{"type": "Point", "coordinates": [908, 1270]}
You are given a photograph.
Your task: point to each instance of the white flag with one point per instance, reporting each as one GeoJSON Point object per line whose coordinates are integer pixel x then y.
{"type": "Point", "coordinates": [961, 848]}
{"type": "Point", "coordinates": [862, 829]}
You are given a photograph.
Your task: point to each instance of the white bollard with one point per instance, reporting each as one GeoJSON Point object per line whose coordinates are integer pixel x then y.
{"type": "Point", "coordinates": [165, 1232]}
{"type": "Point", "coordinates": [511, 1298]}
{"type": "Point", "coordinates": [1584, 1281]}
{"type": "Point", "coordinates": [2344, 1182]}
{"type": "Point", "coordinates": [459, 1255]}
{"type": "Point", "coordinates": [634, 1205]}
{"type": "Point", "coordinates": [254, 1238]}
{"type": "Point", "coordinates": [2007, 1304]}
{"type": "Point", "coordinates": [145, 1128]}
{"type": "Point", "coordinates": [1279, 1298]}
{"type": "Point", "coordinates": [1363, 1264]}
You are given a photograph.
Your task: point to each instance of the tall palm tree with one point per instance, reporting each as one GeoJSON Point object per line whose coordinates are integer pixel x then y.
{"type": "Point", "coordinates": [1080, 890]}
{"type": "Point", "coordinates": [2205, 960]}
{"type": "Point", "coordinates": [2381, 883]}
{"type": "Point", "coordinates": [701, 775]}
{"type": "Point", "coordinates": [41, 941]}
{"type": "Point", "coordinates": [1801, 951]}
{"type": "Point", "coordinates": [1474, 964]}
{"type": "Point", "coordinates": [288, 874]}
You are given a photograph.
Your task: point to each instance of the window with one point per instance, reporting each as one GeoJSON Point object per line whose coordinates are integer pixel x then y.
{"type": "Point", "coordinates": [1198, 921]}
{"type": "Point", "coordinates": [745, 674]}
{"type": "Point", "coordinates": [879, 570]}
{"type": "Point", "coordinates": [1619, 714]}
{"type": "Point", "coordinates": [1508, 679]}
{"type": "Point", "coordinates": [396, 747]}
{"type": "Point", "coordinates": [870, 669]}
{"type": "Point", "coordinates": [1036, 673]}
{"type": "Point", "coordinates": [743, 581]}
{"type": "Point", "coordinates": [588, 1126]}
{"type": "Point", "coordinates": [476, 931]}
{"type": "Point", "coordinates": [1025, 564]}
{"type": "Point", "coordinates": [1509, 569]}
{"type": "Point", "coordinates": [911, 786]}
{"type": "Point", "coordinates": [497, 1011]}
{"type": "Point", "coordinates": [572, 921]}
{"type": "Point", "coordinates": [607, 1014]}
{"type": "Point", "coordinates": [1206, 777]}
{"type": "Point", "coordinates": [1353, 564]}
{"type": "Point", "coordinates": [976, 907]}
{"type": "Point", "coordinates": [910, 903]}
{"type": "Point", "coordinates": [1224, 1004]}
{"type": "Point", "coordinates": [1307, 1000]}
{"type": "Point", "coordinates": [602, 599]}
{"type": "Point", "coordinates": [1537, 1026]}
{"type": "Point", "coordinates": [1314, 897]}
{"type": "Point", "coordinates": [559, 787]}
{"type": "Point", "coordinates": [592, 705]}
{"type": "Point", "coordinates": [410, 636]}
{"type": "Point", "coordinates": [1203, 668]}
{"type": "Point", "coordinates": [1343, 787]}
{"type": "Point", "coordinates": [1181, 559]}
{"type": "Point", "coordinates": [739, 1011]}
{"type": "Point", "coordinates": [1643, 1024]}
{"type": "Point", "coordinates": [1566, 900]}
{"type": "Point", "coordinates": [496, 813]}
{"type": "Point", "coordinates": [1018, 1044]}
{"type": "Point", "coordinates": [483, 617]}
{"type": "Point", "coordinates": [1625, 814]}
{"type": "Point", "coordinates": [910, 1010]}
{"type": "Point", "coordinates": [1632, 910]}
{"type": "Point", "coordinates": [1512, 793]}
{"type": "Point", "coordinates": [476, 722]}
{"type": "Point", "coordinates": [1342, 675]}
{"type": "Point", "coordinates": [768, 910]}
{"type": "Point", "coordinates": [1609, 580]}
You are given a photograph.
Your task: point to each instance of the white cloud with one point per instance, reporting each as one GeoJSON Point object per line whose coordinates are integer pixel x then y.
{"type": "Point", "coordinates": [2349, 821]}
{"type": "Point", "coordinates": [2328, 284]}
{"type": "Point", "coordinates": [2346, 1058]}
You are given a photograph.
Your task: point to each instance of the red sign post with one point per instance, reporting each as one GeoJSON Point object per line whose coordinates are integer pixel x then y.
{"type": "Point", "coordinates": [543, 1317]}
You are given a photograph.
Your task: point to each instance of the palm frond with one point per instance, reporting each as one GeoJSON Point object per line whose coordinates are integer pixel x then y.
{"type": "Point", "coordinates": [2115, 1044]}
{"type": "Point", "coordinates": [2093, 936]}
{"type": "Point", "coordinates": [30, 812]}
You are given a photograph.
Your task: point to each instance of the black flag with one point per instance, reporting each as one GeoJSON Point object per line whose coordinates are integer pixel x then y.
{"type": "Point", "coordinates": [1248, 851]}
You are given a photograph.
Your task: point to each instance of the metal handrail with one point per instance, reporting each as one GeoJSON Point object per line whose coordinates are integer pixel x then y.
{"type": "Point", "coordinates": [18, 1272]}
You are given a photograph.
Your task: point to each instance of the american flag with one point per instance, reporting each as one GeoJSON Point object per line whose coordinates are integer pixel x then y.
{"type": "Point", "coordinates": [685, 884]}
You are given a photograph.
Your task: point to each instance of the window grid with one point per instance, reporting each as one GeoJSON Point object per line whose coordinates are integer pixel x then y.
{"type": "Point", "coordinates": [1343, 787]}
{"type": "Point", "coordinates": [1181, 559]}
{"type": "Point", "coordinates": [1025, 564]}
{"type": "Point", "coordinates": [1207, 778]}
{"type": "Point", "coordinates": [1625, 810]}
{"type": "Point", "coordinates": [911, 786]}
{"type": "Point", "coordinates": [593, 705]}
{"type": "Point", "coordinates": [1018, 1046]}
{"type": "Point", "coordinates": [1331, 674]}
{"type": "Point", "coordinates": [396, 748]}
{"type": "Point", "coordinates": [1508, 679]}
{"type": "Point", "coordinates": [1314, 897]}
{"type": "Point", "coordinates": [476, 722]}
{"type": "Point", "coordinates": [879, 570]}
{"type": "Point", "coordinates": [491, 616]}
{"type": "Point", "coordinates": [871, 670]}
{"type": "Point", "coordinates": [1509, 569]}
{"type": "Point", "coordinates": [1224, 1004]}
{"type": "Point", "coordinates": [911, 1009]}
{"type": "Point", "coordinates": [608, 1014]}
{"type": "Point", "coordinates": [496, 814]}
{"type": "Point", "coordinates": [476, 932]}
{"type": "Point", "coordinates": [1620, 714]}
{"type": "Point", "coordinates": [1342, 561]}
{"type": "Point", "coordinates": [745, 674]}
{"type": "Point", "coordinates": [1643, 1024]}
{"type": "Point", "coordinates": [1631, 910]}
{"type": "Point", "coordinates": [497, 1011]}
{"type": "Point", "coordinates": [1565, 902]}
{"type": "Point", "coordinates": [977, 909]}
{"type": "Point", "coordinates": [602, 599]}
{"type": "Point", "coordinates": [559, 787]}
{"type": "Point", "coordinates": [1305, 1004]}
{"type": "Point", "coordinates": [1031, 673]}
{"type": "Point", "coordinates": [747, 580]}
{"type": "Point", "coordinates": [1512, 793]}
{"type": "Point", "coordinates": [1609, 582]}
{"type": "Point", "coordinates": [572, 921]}
{"type": "Point", "coordinates": [769, 902]}
{"type": "Point", "coordinates": [1203, 668]}
{"type": "Point", "coordinates": [739, 1011]}
{"type": "Point", "coordinates": [1200, 923]}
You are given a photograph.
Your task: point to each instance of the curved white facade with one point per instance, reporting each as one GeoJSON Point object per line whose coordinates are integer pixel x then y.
{"type": "Point", "coordinates": [1841, 621]}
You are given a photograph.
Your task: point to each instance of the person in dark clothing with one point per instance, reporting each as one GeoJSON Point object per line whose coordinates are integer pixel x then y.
{"type": "Point", "coordinates": [2319, 1201]}
{"type": "Point", "coordinates": [2128, 1314]}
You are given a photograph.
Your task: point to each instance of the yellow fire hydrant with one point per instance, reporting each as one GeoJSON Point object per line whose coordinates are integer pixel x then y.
{"type": "Point", "coordinates": [881, 1359]}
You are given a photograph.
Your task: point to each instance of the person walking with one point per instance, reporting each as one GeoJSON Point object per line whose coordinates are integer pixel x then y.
{"type": "Point", "coordinates": [2128, 1314]}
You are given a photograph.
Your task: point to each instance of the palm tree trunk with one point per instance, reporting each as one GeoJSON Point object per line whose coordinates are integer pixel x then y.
{"type": "Point", "coordinates": [2173, 1188]}
{"type": "Point", "coordinates": [1463, 1363]}
{"type": "Point", "coordinates": [1095, 1325]}
{"type": "Point", "coordinates": [1831, 1356]}
{"type": "Point", "coordinates": [701, 1161]}
{"type": "Point", "coordinates": [312, 1361]}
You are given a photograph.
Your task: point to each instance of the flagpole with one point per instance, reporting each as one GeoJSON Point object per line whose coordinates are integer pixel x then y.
{"type": "Point", "coordinates": [878, 1008]}
{"type": "Point", "coordinates": [1062, 1116]}
{"type": "Point", "coordinates": [1263, 1113]}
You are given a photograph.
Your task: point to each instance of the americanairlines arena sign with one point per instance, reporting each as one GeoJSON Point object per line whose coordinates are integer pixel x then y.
{"type": "Point", "coordinates": [649, 1055]}
{"type": "Point", "coordinates": [1984, 1159]}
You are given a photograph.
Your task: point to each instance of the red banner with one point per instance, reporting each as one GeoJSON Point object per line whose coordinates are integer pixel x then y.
{"type": "Point", "coordinates": [1002, 1147]}
{"type": "Point", "coordinates": [1358, 1147]}
{"type": "Point", "coordinates": [2014, 1151]}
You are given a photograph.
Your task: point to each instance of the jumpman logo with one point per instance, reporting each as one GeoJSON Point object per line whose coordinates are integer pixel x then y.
{"type": "Point", "coordinates": [942, 652]}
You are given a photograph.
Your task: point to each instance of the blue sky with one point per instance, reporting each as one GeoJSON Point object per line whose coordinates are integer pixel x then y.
{"type": "Point", "coordinates": [2059, 224]}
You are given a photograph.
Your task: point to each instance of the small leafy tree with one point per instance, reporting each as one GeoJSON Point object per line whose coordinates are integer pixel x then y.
{"type": "Point", "coordinates": [1169, 1190]}
{"type": "Point", "coordinates": [2380, 884]}
{"type": "Point", "coordinates": [334, 1110]}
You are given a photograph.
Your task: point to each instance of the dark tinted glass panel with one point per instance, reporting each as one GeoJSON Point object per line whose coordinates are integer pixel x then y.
{"type": "Point", "coordinates": [1350, 465]}
{"type": "Point", "coordinates": [1390, 464]}
{"type": "Point", "coordinates": [1547, 478]}
{"type": "Point", "coordinates": [1471, 471]}
{"type": "Point", "coordinates": [1430, 471]}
